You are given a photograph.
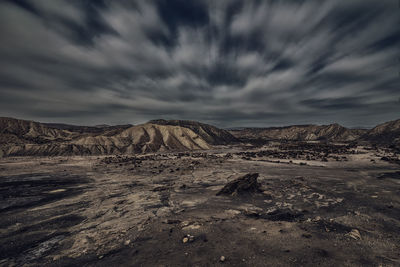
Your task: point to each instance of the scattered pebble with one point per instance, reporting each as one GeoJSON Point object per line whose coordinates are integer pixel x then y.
{"type": "Point", "coordinates": [355, 234]}
{"type": "Point", "coordinates": [222, 259]}
{"type": "Point", "coordinates": [318, 218]}
{"type": "Point", "coordinates": [185, 223]}
{"type": "Point", "coordinates": [188, 238]}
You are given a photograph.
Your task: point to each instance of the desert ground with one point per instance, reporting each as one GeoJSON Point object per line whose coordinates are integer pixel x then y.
{"type": "Point", "coordinates": [316, 205]}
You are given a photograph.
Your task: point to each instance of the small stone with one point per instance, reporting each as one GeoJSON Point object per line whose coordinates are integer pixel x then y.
{"type": "Point", "coordinates": [355, 234]}
{"type": "Point", "coordinates": [190, 238]}
{"type": "Point", "coordinates": [185, 240]}
{"type": "Point", "coordinates": [222, 259]}
{"type": "Point", "coordinates": [185, 223]}
{"type": "Point", "coordinates": [127, 242]}
{"type": "Point", "coordinates": [57, 257]}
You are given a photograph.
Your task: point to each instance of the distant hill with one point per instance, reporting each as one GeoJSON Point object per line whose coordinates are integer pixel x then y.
{"type": "Point", "coordinates": [332, 132]}
{"type": "Point", "coordinates": [23, 131]}
{"type": "Point", "coordinates": [385, 133]}
{"type": "Point", "coordinates": [86, 129]}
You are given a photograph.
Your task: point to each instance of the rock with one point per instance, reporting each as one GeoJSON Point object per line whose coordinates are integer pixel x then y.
{"type": "Point", "coordinates": [127, 242]}
{"type": "Point", "coordinates": [185, 223]}
{"type": "Point", "coordinates": [191, 238]}
{"type": "Point", "coordinates": [355, 234]}
{"type": "Point", "coordinates": [316, 219]}
{"type": "Point", "coordinates": [188, 238]}
{"type": "Point", "coordinates": [192, 227]}
{"type": "Point", "coordinates": [222, 259]}
{"type": "Point", "coordinates": [55, 258]}
{"type": "Point", "coordinates": [242, 185]}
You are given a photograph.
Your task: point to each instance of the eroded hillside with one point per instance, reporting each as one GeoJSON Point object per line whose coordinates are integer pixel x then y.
{"type": "Point", "coordinates": [28, 138]}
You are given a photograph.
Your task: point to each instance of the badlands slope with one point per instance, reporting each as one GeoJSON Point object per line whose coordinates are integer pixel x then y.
{"type": "Point", "coordinates": [28, 138]}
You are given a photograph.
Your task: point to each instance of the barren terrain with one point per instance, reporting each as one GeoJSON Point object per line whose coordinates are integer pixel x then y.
{"type": "Point", "coordinates": [318, 204]}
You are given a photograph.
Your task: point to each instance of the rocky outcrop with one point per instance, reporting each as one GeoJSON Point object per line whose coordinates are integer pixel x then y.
{"type": "Point", "coordinates": [241, 186]}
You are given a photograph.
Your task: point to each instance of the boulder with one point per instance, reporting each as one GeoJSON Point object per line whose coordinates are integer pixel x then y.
{"type": "Point", "coordinates": [243, 185]}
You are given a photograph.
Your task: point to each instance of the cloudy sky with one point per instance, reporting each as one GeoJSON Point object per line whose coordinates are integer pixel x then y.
{"type": "Point", "coordinates": [224, 62]}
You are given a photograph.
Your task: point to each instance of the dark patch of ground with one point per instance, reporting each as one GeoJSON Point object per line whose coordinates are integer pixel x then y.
{"type": "Point", "coordinates": [37, 230]}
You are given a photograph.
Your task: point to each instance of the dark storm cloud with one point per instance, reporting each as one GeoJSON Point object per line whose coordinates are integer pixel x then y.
{"type": "Point", "coordinates": [228, 62]}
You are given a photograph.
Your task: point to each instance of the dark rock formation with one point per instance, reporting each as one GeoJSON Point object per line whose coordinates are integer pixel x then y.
{"type": "Point", "coordinates": [244, 185]}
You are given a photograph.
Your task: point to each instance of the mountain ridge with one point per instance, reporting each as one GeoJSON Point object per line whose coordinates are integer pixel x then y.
{"type": "Point", "coordinates": [30, 138]}
{"type": "Point", "coordinates": [27, 138]}
{"type": "Point", "coordinates": [387, 132]}
{"type": "Point", "coordinates": [309, 132]}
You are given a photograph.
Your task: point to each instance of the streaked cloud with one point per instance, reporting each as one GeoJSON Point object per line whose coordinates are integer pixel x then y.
{"type": "Point", "coordinates": [229, 63]}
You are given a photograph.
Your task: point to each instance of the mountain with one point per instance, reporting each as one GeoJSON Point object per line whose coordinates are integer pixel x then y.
{"type": "Point", "coordinates": [28, 138]}
{"type": "Point", "coordinates": [148, 137]}
{"type": "Point", "coordinates": [332, 132]}
{"type": "Point", "coordinates": [87, 129]}
{"type": "Point", "coordinates": [385, 133]}
{"type": "Point", "coordinates": [209, 133]}
{"type": "Point", "coordinates": [23, 131]}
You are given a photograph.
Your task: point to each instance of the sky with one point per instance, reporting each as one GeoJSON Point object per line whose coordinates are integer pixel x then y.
{"type": "Point", "coordinates": [229, 63]}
